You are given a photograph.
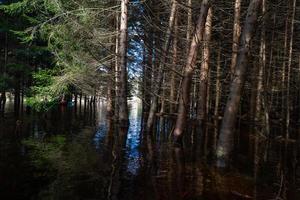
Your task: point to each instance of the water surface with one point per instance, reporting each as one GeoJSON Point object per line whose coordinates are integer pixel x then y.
{"type": "Point", "coordinates": [78, 154]}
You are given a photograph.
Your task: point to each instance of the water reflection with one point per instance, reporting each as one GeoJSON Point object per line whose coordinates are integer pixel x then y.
{"type": "Point", "coordinates": [97, 160]}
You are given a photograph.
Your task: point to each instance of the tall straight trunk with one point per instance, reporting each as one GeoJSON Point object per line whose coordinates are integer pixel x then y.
{"type": "Point", "coordinates": [117, 71]}
{"type": "Point", "coordinates": [283, 78]}
{"type": "Point", "coordinates": [17, 97]}
{"type": "Point", "coordinates": [188, 73]}
{"type": "Point", "coordinates": [123, 107]}
{"type": "Point", "coordinates": [148, 72]}
{"type": "Point", "coordinates": [109, 103]}
{"type": "Point", "coordinates": [159, 78]}
{"type": "Point", "coordinates": [236, 34]}
{"type": "Point", "coordinates": [218, 86]}
{"type": "Point", "coordinates": [174, 64]}
{"type": "Point", "coordinates": [289, 70]}
{"type": "Point", "coordinates": [204, 73]}
{"type": "Point", "coordinates": [189, 25]}
{"type": "Point", "coordinates": [3, 92]}
{"type": "Point", "coordinates": [262, 65]}
{"type": "Point", "coordinates": [225, 143]}
{"type": "Point", "coordinates": [110, 98]}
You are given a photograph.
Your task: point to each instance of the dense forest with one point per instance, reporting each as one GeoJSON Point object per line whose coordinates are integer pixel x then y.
{"type": "Point", "coordinates": [207, 73]}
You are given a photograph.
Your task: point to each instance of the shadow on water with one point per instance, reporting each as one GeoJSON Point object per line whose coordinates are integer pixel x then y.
{"type": "Point", "coordinates": [79, 154]}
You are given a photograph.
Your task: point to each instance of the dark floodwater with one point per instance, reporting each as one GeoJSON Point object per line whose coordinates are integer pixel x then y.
{"type": "Point", "coordinates": [90, 158]}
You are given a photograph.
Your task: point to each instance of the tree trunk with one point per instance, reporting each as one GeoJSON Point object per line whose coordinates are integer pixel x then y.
{"type": "Point", "coordinates": [3, 92]}
{"type": "Point", "coordinates": [159, 78]}
{"type": "Point", "coordinates": [123, 107]}
{"type": "Point", "coordinates": [236, 34]}
{"type": "Point", "coordinates": [262, 65]}
{"type": "Point", "coordinates": [204, 73]}
{"type": "Point", "coordinates": [117, 71]}
{"type": "Point", "coordinates": [289, 70]}
{"type": "Point", "coordinates": [218, 86]}
{"type": "Point", "coordinates": [189, 25]}
{"type": "Point", "coordinates": [225, 143]}
{"type": "Point", "coordinates": [188, 73]}
{"type": "Point", "coordinates": [174, 64]}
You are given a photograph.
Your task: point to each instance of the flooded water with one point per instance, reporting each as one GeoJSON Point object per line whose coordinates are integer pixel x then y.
{"type": "Point", "coordinates": [77, 154]}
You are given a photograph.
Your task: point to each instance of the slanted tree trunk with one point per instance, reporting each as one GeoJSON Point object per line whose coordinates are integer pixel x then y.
{"type": "Point", "coordinates": [188, 73]}
{"type": "Point", "coordinates": [236, 34]}
{"type": "Point", "coordinates": [204, 73]}
{"type": "Point", "coordinates": [123, 107]}
{"type": "Point", "coordinates": [159, 78]}
{"type": "Point", "coordinates": [225, 143]}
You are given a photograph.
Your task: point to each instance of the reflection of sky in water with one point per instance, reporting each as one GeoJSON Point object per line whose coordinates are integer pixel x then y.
{"type": "Point", "coordinates": [133, 138]}
{"type": "Point", "coordinates": [132, 153]}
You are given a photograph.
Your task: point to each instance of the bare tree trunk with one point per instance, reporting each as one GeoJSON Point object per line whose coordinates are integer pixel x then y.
{"type": "Point", "coordinates": [262, 65]}
{"type": "Point", "coordinates": [225, 143]}
{"type": "Point", "coordinates": [189, 25]}
{"type": "Point", "coordinates": [236, 34]}
{"type": "Point", "coordinates": [284, 69]}
{"type": "Point", "coordinates": [147, 73]}
{"type": "Point", "coordinates": [159, 78]}
{"type": "Point", "coordinates": [117, 71]}
{"type": "Point", "coordinates": [188, 72]}
{"type": "Point", "coordinates": [123, 107]}
{"type": "Point", "coordinates": [174, 64]}
{"type": "Point", "coordinates": [289, 70]}
{"type": "Point", "coordinates": [204, 73]}
{"type": "Point", "coordinates": [218, 85]}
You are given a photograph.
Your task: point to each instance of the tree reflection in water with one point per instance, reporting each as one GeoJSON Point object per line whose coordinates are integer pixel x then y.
{"type": "Point", "coordinates": [94, 159]}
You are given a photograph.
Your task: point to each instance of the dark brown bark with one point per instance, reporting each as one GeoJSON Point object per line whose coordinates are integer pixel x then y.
{"type": "Point", "coordinates": [123, 107]}
{"type": "Point", "coordinates": [188, 72]}
{"type": "Point", "coordinates": [225, 143]}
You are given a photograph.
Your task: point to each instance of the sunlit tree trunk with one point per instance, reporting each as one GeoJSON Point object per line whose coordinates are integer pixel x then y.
{"type": "Point", "coordinates": [188, 73]}
{"type": "Point", "coordinates": [204, 73]}
{"type": "Point", "coordinates": [117, 70]}
{"type": "Point", "coordinates": [159, 78]}
{"type": "Point", "coordinates": [225, 143]}
{"type": "Point", "coordinates": [236, 34]}
{"type": "Point", "coordinates": [123, 107]}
